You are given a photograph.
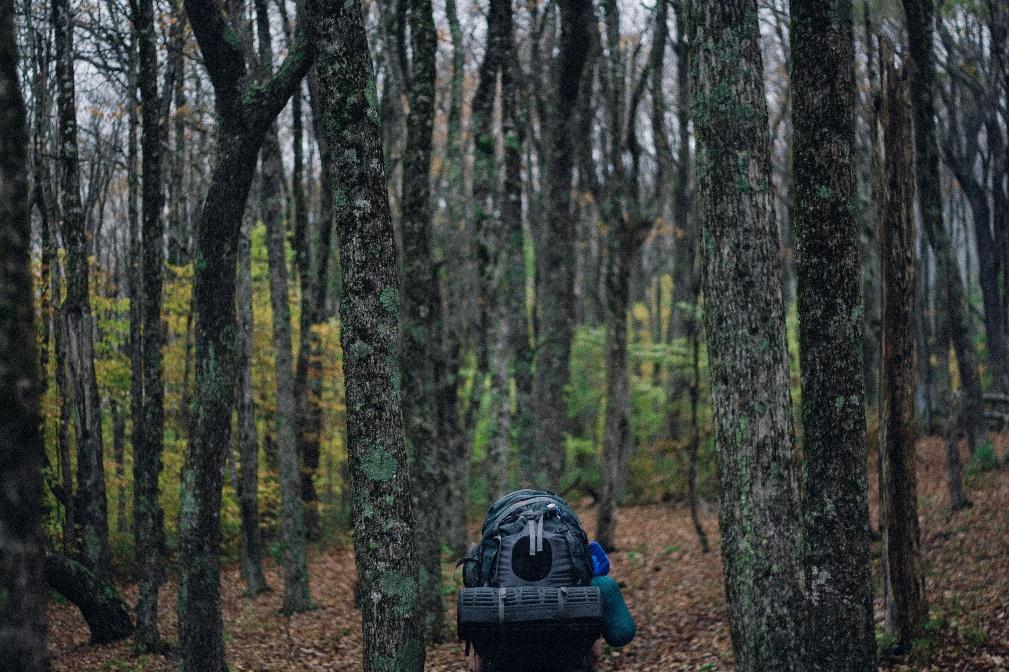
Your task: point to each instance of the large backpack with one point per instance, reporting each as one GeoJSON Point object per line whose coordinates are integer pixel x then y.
{"type": "Point", "coordinates": [529, 538]}
{"type": "Point", "coordinates": [528, 605]}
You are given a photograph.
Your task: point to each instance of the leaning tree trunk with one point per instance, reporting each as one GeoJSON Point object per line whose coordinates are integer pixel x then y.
{"type": "Point", "coordinates": [22, 449]}
{"type": "Point", "coordinates": [90, 507]}
{"type": "Point", "coordinates": [555, 251]}
{"type": "Point", "coordinates": [745, 327]}
{"type": "Point", "coordinates": [248, 442]}
{"type": "Point", "coordinates": [104, 611]}
{"type": "Point", "coordinates": [246, 107]}
{"type": "Point", "coordinates": [903, 578]}
{"type": "Point", "coordinates": [922, 67]}
{"type": "Point", "coordinates": [841, 634]}
{"type": "Point", "coordinates": [384, 538]}
{"type": "Point", "coordinates": [421, 318]}
{"type": "Point", "coordinates": [147, 513]}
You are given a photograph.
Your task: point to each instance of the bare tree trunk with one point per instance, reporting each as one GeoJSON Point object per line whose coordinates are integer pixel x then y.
{"type": "Point", "coordinates": [90, 507]}
{"type": "Point", "coordinates": [904, 584]}
{"type": "Point", "coordinates": [919, 22]}
{"type": "Point", "coordinates": [22, 449]}
{"type": "Point", "coordinates": [292, 525]}
{"type": "Point", "coordinates": [384, 541]}
{"type": "Point", "coordinates": [421, 320]}
{"type": "Point", "coordinates": [841, 634]}
{"type": "Point", "coordinates": [745, 327]}
{"type": "Point", "coordinates": [248, 442]}
{"type": "Point", "coordinates": [247, 107]}
{"type": "Point", "coordinates": [555, 247]}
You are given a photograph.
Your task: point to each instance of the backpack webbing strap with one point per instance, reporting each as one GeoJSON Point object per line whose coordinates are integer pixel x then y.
{"type": "Point", "coordinates": [501, 593]}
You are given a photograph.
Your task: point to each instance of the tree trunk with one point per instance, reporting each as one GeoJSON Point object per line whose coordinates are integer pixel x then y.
{"type": "Point", "coordinates": [119, 457]}
{"type": "Point", "coordinates": [841, 634]}
{"type": "Point", "coordinates": [22, 449]}
{"type": "Point", "coordinates": [555, 247]}
{"type": "Point", "coordinates": [248, 442]}
{"type": "Point", "coordinates": [451, 426]}
{"type": "Point", "coordinates": [90, 506]}
{"type": "Point", "coordinates": [292, 524]}
{"type": "Point", "coordinates": [384, 538]}
{"type": "Point", "coordinates": [421, 321]}
{"type": "Point", "coordinates": [147, 514]}
{"type": "Point", "coordinates": [617, 439]}
{"type": "Point", "coordinates": [904, 582]}
{"type": "Point", "coordinates": [246, 107]}
{"type": "Point", "coordinates": [106, 614]}
{"type": "Point", "coordinates": [922, 67]}
{"type": "Point", "coordinates": [745, 327]}
{"type": "Point", "coordinates": [306, 392]}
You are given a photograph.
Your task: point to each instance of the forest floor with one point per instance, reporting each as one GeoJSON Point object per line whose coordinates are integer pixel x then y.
{"type": "Point", "coordinates": [673, 589]}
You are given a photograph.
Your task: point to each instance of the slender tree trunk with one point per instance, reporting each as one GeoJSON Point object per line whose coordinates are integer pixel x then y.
{"type": "Point", "coordinates": [22, 449]}
{"type": "Point", "coordinates": [178, 211]}
{"type": "Point", "coordinates": [451, 426]}
{"type": "Point", "coordinates": [745, 327]}
{"type": "Point", "coordinates": [292, 529]}
{"type": "Point", "coordinates": [420, 315]}
{"type": "Point", "coordinates": [119, 457]}
{"type": "Point", "coordinates": [841, 634]}
{"type": "Point", "coordinates": [922, 69]}
{"type": "Point", "coordinates": [617, 439]}
{"type": "Point", "coordinates": [306, 394]}
{"type": "Point", "coordinates": [247, 107]}
{"type": "Point", "coordinates": [147, 513]}
{"type": "Point", "coordinates": [248, 442]}
{"type": "Point", "coordinates": [555, 247]}
{"type": "Point", "coordinates": [91, 507]}
{"type": "Point", "coordinates": [904, 582]}
{"type": "Point", "coordinates": [384, 538]}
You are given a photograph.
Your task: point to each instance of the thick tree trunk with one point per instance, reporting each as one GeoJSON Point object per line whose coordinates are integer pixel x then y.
{"type": "Point", "coordinates": [90, 505]}
{"type": "Point", "coordinates": [904, 582]}
{"type": "Point", "coordinates": [841, 634]}
{"type": "Point", "coordinates": [147, 513]}
{"type": "Point", "coordinates": [555, 247]}
{"type": "Point", "coordinates": [22, 449]}
{"type": "Point", "coordinates": [421, 321]}
{"type": "Point", "coordinates": [922, 68]}
{"type": "Point", "coordinates": [248, 442]}
{"type": "Point", "coordinates": [384, 540]}
{"type": "Point", "coordinates": [106, 614]}
{"type": "Point", "coordinates": [745, 327]}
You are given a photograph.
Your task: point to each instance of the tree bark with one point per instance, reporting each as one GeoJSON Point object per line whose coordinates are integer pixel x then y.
{"type": "Point", "coordinates": [248, 442]}
{"type": "Point", "coordinates": [292, 523]}
{"type": "Point", "coordinates": [90, 507]}
{"type": "Point", "coordinates": [555, 247]}
{"type": "Point", "coordinates": [384, 541]}
{"type": "Point", "coordinates": [147, 514]}
{"type": "Point", "coordinates": [22, 450]}
{"type": "Point", "coordinates": [420, 315]}
{"type": "Point", "coordinates": [919, 15]}
{"type": "Point", "coordinates": [246, 107]}
{"type": "Point", "coordinates": [745, 328]}
{"type": "Point", "coordinates": [904, 582]}
{"type": "Point", "coordinates": [841, 634]}
{"type": "Point", "coordinates": [106, 614]}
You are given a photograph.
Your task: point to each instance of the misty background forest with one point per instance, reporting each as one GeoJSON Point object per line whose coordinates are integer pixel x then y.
{"type": "Point", "coordinates": [293, 290]}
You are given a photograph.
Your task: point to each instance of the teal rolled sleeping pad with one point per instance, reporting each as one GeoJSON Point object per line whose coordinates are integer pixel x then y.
{"type": "Point", "coordinates": [618, 624]}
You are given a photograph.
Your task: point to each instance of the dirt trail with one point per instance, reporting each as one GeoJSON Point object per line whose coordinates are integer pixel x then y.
{"type": "Point", "coordinates": [674, 592]}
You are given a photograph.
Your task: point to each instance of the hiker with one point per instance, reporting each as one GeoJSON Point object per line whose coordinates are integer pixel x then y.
{"type": "Point", "coordinates": [538, 595]}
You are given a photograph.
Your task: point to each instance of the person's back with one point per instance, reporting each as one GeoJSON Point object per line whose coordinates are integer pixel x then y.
{"type": "Point", "coordinates": [536, 597]}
